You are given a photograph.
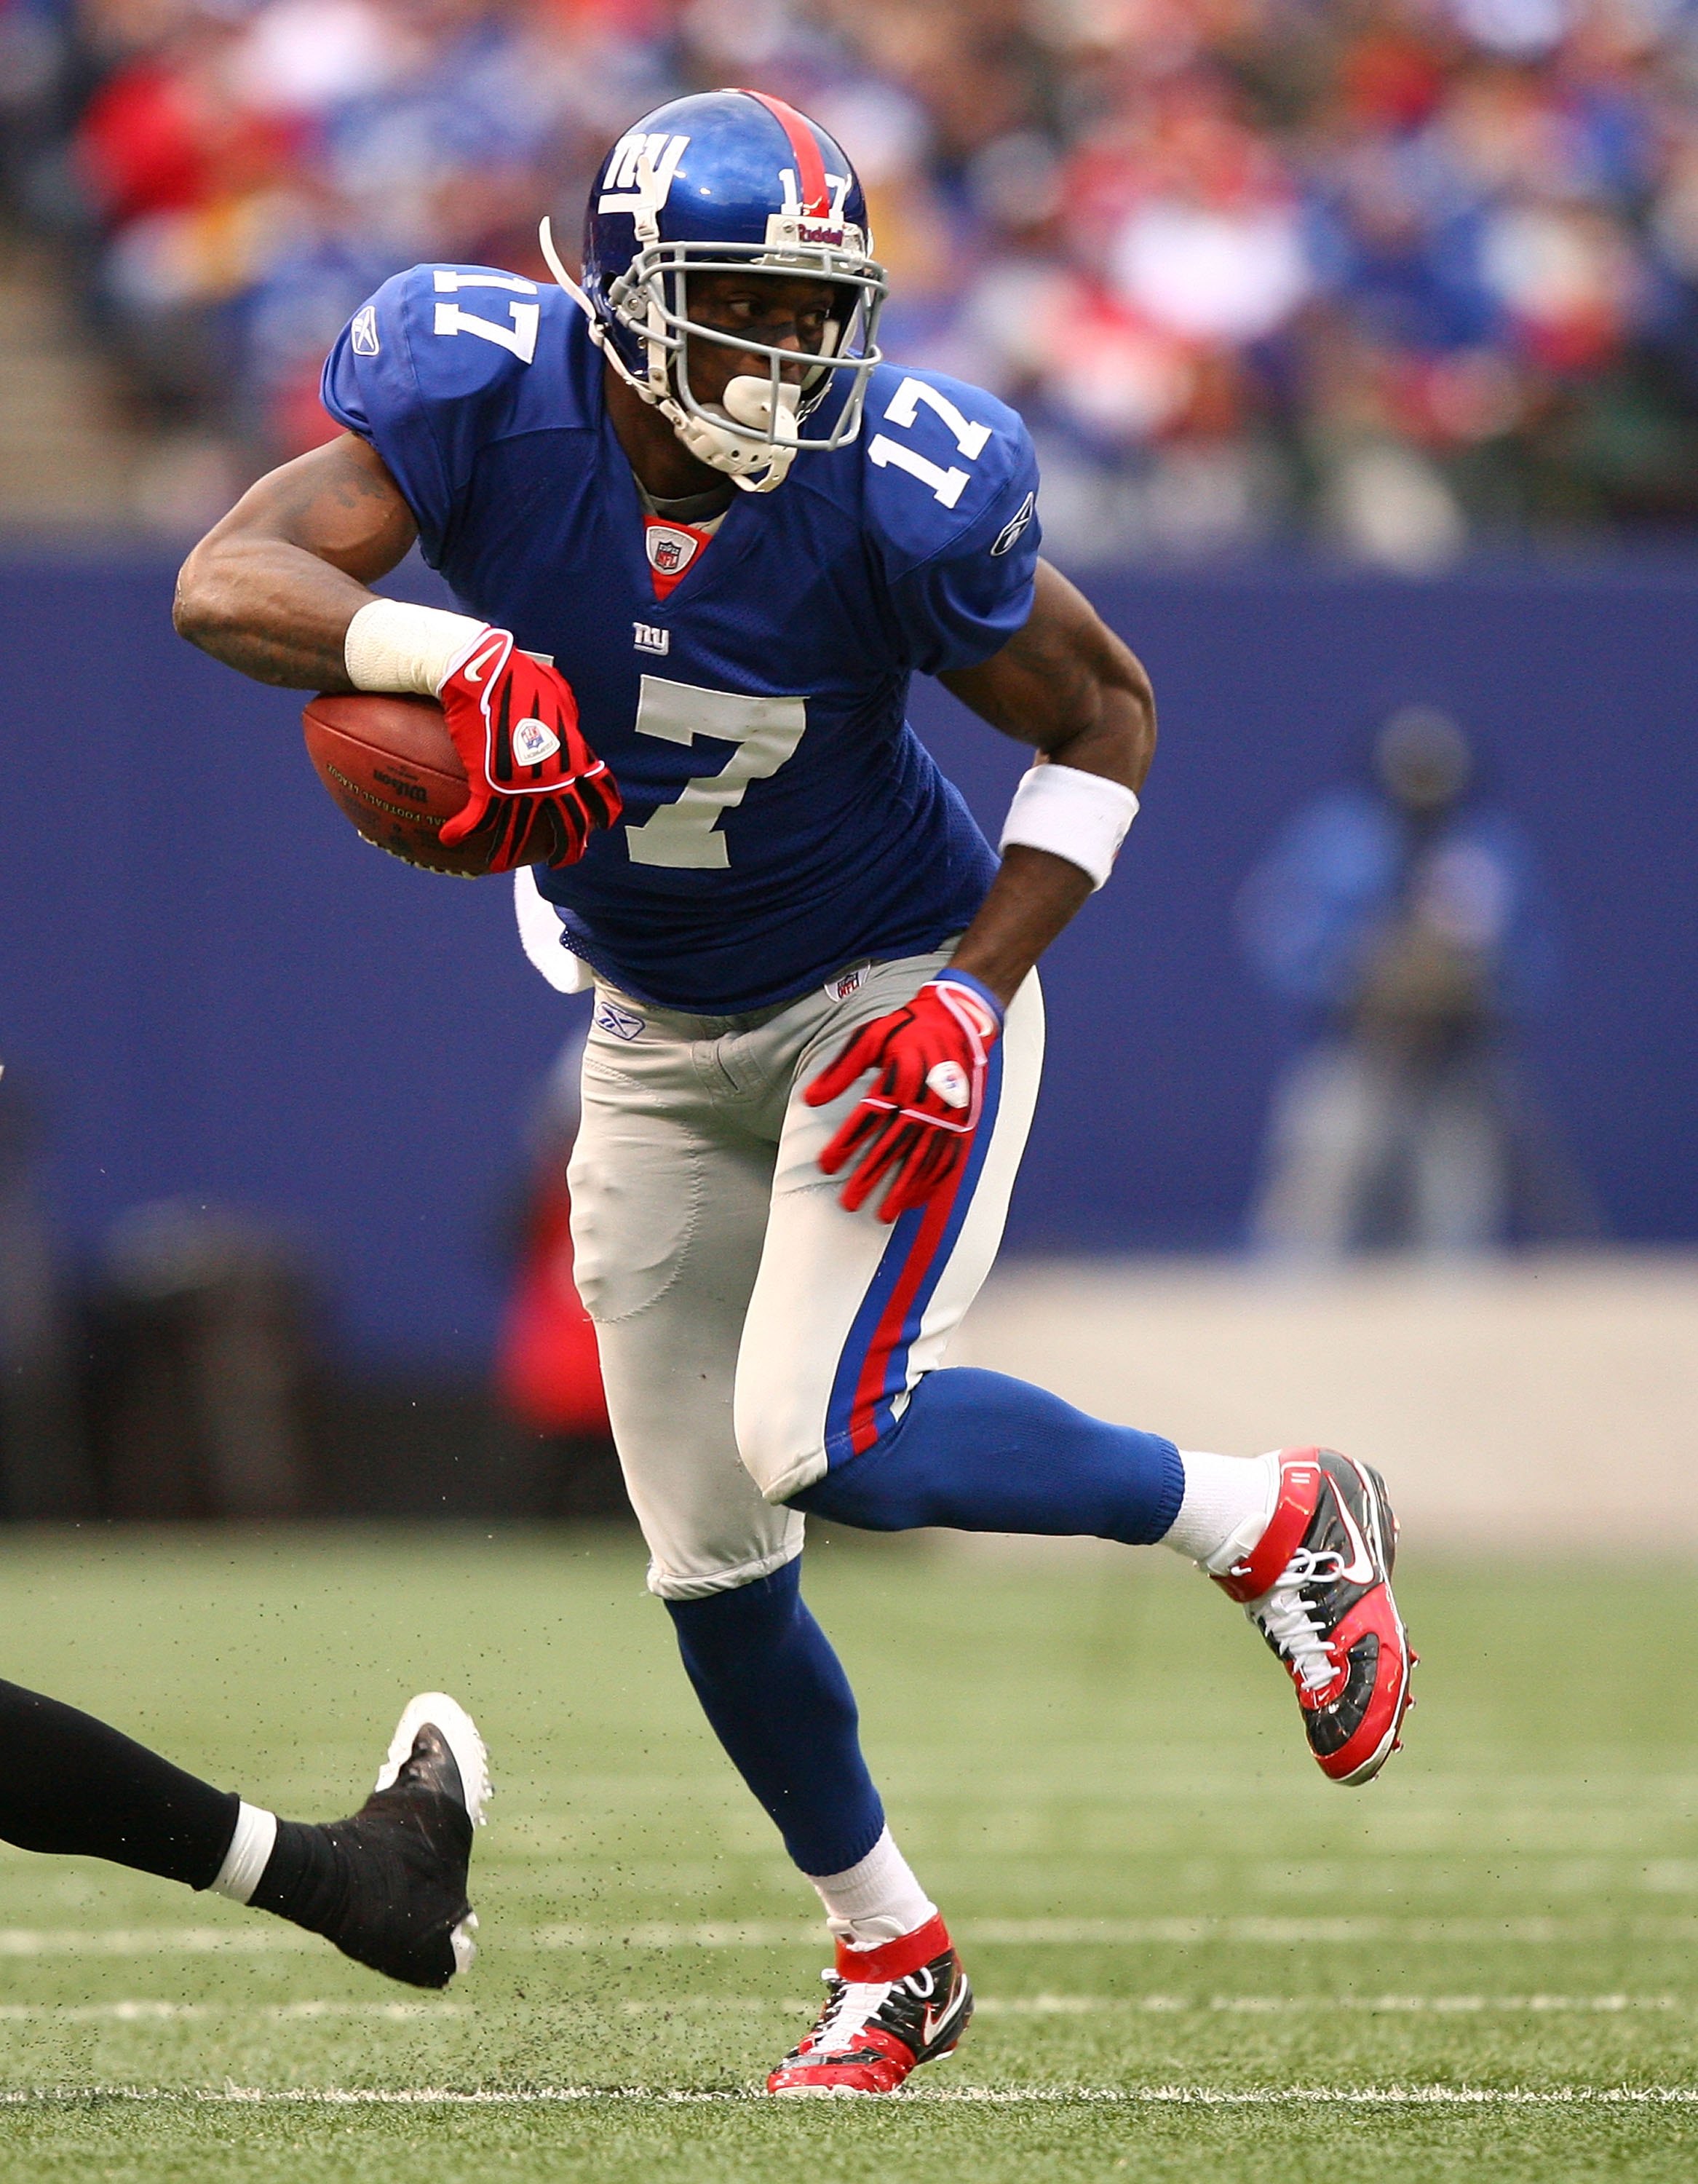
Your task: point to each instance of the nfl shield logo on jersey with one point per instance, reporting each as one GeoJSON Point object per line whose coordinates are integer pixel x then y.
{"type": "Point", "coordinates": [671, 550]}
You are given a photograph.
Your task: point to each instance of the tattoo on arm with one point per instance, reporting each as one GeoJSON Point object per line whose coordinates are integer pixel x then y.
{"type": "Point", "coordinates": [271, 589]}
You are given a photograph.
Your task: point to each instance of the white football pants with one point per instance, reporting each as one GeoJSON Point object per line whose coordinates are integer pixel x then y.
{"type": "Point", "coordinates": [751, 1329]}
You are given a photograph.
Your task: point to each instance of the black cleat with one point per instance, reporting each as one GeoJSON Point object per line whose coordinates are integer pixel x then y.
{"type": "Point", "coordinates": [403, 1858]}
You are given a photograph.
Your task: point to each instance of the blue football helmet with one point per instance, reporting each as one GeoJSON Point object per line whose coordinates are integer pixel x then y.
{"type": "Point", "coordinates": [718, 183]}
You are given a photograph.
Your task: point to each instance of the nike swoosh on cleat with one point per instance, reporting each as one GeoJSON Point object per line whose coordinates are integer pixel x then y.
{"type": "Point", "coordinates": [935, 2019]}
{"type": "Point", "coordinates": [1362, 1567]}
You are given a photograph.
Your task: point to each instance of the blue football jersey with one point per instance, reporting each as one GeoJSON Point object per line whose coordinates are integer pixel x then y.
{"type": "Point", "coordinates": [782, 819]}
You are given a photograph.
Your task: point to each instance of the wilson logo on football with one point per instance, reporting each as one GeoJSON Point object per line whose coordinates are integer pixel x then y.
{"type": "Point", "coordinates": [533, 741]}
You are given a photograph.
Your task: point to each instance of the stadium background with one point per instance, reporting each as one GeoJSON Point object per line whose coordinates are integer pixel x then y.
{"type": "Point", "coordinates": [1360, 344]}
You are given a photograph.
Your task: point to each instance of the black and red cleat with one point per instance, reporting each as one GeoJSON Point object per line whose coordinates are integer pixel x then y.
{"type": "Point", "coordinates": [887, 2011]}
{"type": "Point", "coordinates": [1317, 1585]}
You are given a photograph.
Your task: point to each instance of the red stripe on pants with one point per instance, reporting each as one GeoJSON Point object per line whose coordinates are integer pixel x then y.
{"type": "Point", "coordinates": [887, 1336]}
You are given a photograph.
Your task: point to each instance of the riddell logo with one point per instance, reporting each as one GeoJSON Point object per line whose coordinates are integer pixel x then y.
{"type": "Point", "coordinates": [813, 230]}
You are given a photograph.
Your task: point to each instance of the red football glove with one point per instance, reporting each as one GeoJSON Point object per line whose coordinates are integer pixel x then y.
{"type": "Point", "coordinates": [916, 1122]}
{"type": "Point", "coordinates": [515, 724]}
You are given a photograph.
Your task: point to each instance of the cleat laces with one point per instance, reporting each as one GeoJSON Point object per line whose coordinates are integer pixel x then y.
{"type": "Point", "coordinates": [853, 2004]}
{"type": "Point", "coordinates": [1289, 1621]}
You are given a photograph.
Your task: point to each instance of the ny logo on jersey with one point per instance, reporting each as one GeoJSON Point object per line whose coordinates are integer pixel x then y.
{"type": "Point", "coordinates": [647, 637]}
{"type": "Point", "coordinates": [640, 171]}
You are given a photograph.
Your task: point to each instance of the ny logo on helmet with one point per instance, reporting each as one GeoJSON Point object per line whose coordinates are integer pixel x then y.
{"type": "Point", "coordinates": [637, 159]}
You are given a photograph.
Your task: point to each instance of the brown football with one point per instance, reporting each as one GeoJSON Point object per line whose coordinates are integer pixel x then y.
{"type": "Point", "coordinates": [390, 764]}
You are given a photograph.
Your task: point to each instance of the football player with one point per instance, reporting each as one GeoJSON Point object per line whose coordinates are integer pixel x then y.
{"type": "Point", "coordinates": [703, 535]}
{"type": "Point", "coordinates": [387, 1885]}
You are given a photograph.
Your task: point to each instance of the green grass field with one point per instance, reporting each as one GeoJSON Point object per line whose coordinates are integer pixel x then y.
{"type": "Point", "coordinates": [1196, 1958]}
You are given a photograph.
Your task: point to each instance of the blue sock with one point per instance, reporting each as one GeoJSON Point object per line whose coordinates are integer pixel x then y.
{"type": "Point", "coordinates": [980, 1452]}
{"type": "Point", "coordinates": [781, 1706]}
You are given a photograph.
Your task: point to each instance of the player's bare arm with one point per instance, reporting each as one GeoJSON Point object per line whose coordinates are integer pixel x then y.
{"type": "Point", "coordinates": [1071, 688]}
{"type": "Point", "coordinates": [275, 590]}
{"type": "Point", "coordinates": [271, 589]}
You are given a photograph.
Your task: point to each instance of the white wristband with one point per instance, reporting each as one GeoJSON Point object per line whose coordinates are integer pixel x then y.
{"type": "Point", "coordinates": [1073, 815]}
{"type": "Point", "coordinates": [392, 645]}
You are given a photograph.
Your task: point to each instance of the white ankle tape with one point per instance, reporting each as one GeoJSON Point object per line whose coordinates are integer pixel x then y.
{"type": "Point", "coordinates": [875, 1900]}
{"type": "Point", "coordinates": [1229, 1500]}
{"type": "Point", "coordinates": [249, 1853]}
{"type": "Point", "coordinates": [392, 645]}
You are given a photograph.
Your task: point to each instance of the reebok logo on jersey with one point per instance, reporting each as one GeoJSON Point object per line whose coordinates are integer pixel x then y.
{"type": "Point", "coordinates": [620, 1022]}
{"type": "Point", "coordinates": [533, 741]}
{"type": "Point", "coordinates": [362, 335]}
{"type": "Point", "coordinates": [1015, 524]}
{"type": "Point", "coordinates": [648, 637]}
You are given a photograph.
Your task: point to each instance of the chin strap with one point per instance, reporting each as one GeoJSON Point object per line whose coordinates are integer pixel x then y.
{"type": "Point", "coordinates": [761, 470]}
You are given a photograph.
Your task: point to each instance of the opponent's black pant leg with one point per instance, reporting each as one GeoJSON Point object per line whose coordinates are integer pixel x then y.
{"type": "Point", "coordinates": [70, 1784]}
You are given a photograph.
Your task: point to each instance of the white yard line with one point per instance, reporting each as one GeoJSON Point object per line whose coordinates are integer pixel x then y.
{"type": "Point", "coordinates": [1299, 2097]}
{"type": "Point", "coordinates": [1281, 1932]}
{"type": "Point", "coordinates": [1285, 1932]}
{"type": "Point", "coordinates": [153, 1941]}
{"type": "Point", "coordinates": [147, 2012]}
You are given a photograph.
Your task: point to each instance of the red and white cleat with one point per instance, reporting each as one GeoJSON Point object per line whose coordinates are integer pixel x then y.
{"type": "Point", "coordinates": [1317, 1585]}
{"type": "Point", "coordinates": [887, 2011]}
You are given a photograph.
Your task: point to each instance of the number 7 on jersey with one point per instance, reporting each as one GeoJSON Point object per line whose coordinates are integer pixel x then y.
{"type": "Point", "coordinates": [685, 833]}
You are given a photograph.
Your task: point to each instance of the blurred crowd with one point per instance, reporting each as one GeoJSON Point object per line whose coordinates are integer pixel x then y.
{"type": "Point", "coordinates": [1405, 273]}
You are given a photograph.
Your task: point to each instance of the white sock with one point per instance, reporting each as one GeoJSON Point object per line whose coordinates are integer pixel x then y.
{"type": "Point", "coordinates": [250, 1848]}
{"type": "Point", "coordinates": [877, 1899]}
{"type": "Point", "coordinates": [1228, 1501]}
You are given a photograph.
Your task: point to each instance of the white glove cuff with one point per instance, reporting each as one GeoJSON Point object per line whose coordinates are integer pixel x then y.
{"type": "Point", "coordinates": [1074, 814]}
{"type": "Point", "coordinates": [392, 645]}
